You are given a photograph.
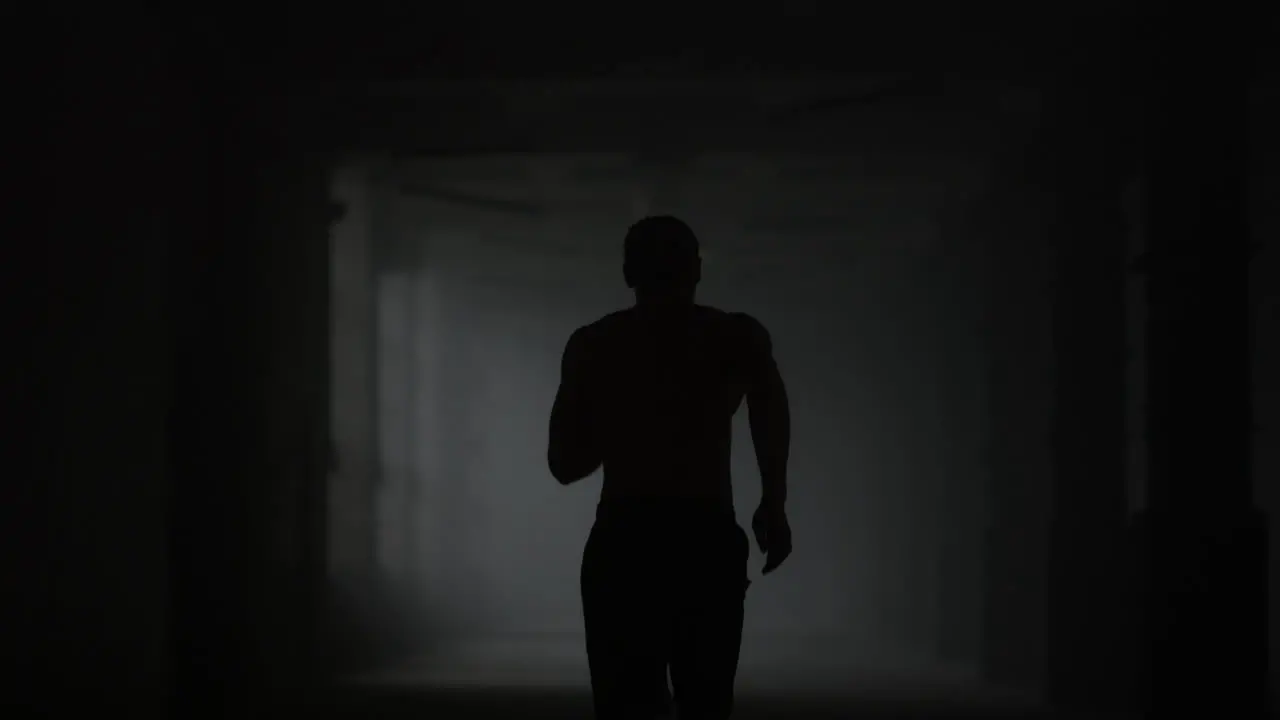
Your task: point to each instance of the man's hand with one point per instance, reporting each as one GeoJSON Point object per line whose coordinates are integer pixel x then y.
{"type": "Point", "coordinates": [773, 534]}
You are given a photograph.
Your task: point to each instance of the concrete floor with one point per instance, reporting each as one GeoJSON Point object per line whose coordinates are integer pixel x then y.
{"type": "Point", "coordinates": [574, 704]}
{"type": "Point", "coordinates": [489, 684]}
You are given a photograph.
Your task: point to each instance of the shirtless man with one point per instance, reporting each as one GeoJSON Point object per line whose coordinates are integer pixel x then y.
{"type": "Point", "coordinates": [649, 394]}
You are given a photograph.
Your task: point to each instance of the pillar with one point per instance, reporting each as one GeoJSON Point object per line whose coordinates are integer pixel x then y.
{"type": "Point", "coordinates": [1205, 540]}
{"type": "Point", "coordinates": [1089, 637]}
{"type": "Point", "coordinates": [1091, 156]}
{"type": "Point", "coordinates": [115, 135]}
{"type": "Point", "coordinates": [294, 279]}
{"type": "Point", "coordinates": [354, 579]}
{"type": "Point", "coordinates": [1017, 458]}
{"type": "Point", "coordinates": [249, 424]}
{"type": "Point", "coordinates": [353, 342]}
{"type": "Point", "coordinates": [1055, 589]}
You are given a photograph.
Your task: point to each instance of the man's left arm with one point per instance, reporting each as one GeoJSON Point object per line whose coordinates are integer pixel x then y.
{"type": "Point", "coordinates": [573, 452]}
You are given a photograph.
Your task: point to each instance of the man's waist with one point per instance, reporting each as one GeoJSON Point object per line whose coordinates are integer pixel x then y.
{"type": "Point", "coordinates": [647, 509]}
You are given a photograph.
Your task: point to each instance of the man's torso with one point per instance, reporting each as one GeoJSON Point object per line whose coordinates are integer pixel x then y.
{"type": "Point", "coordinates": [663, 388]}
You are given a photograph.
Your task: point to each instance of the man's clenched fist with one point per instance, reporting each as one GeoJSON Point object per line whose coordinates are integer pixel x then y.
{"type": "Point", "coordinates": [773, 534]}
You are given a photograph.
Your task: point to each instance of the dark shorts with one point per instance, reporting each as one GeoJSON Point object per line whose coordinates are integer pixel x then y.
{"type": "Point", "coordinates": [663, 588]}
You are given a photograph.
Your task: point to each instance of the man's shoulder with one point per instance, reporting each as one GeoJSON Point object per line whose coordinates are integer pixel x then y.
{"type": "Point", "coordinates": [612, 321]}
{"type": "Point", "coordinates": [724, 318]}
{"type": "Point", "coordinates": [741, 319]}
{"type": "Point", "coordinates": [600, 330]}
{"type": "Point", "coordinates": [725, 324]}
{"type": "Point", "coordinates": [747, 327]}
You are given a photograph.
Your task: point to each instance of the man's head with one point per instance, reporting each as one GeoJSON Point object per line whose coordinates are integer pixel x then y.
{"type": "Point", "coordinates": [661, 259]}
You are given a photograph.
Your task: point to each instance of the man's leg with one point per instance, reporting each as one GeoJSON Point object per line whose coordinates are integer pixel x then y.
{"type": "Point", "coordinates": [708, 632]}
{"type": "Point", "coordinates": [626, 628]}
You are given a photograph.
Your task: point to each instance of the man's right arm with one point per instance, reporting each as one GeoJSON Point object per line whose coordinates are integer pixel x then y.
{"type": "Point", "coordinates": [768, 412]}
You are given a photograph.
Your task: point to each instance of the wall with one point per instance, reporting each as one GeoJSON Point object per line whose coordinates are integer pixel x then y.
{"type": "Point", "coordinates": [86, 546]}
{"type": "Point", "coordinates": [173, 307]}
{"type": "Point", "coordinates": [359, 620]}
{"type": "Point", "coordinates": [1265, 279]}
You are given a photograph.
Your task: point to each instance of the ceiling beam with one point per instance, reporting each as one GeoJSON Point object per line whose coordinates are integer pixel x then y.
{"type": "Point", "coordinates": [455, 126]}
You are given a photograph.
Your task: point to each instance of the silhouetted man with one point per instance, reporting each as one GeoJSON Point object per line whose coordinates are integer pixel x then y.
{"type": "Point", "coordinates": [649, 393]}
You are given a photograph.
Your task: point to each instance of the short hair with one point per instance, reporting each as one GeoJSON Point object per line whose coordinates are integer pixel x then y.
{"type": "Point", "coordinates": [661, 250]}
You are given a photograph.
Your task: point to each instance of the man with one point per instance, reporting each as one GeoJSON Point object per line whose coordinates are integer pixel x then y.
{"type": "Point", "coordinates": [649, 393]}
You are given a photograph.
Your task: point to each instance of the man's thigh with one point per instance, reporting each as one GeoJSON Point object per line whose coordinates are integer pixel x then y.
{"type": "Point", "coordinates": [708, 633]}
{"type": "Point", "coordinates": [627, 626]}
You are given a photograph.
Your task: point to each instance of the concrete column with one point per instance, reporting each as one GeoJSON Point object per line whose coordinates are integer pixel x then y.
{"type": "Point", "coordinates": [1089, 631]}
{"type": "Point", "coordinates": [353, 341]}
{"type": "Point", "coordinates": [115, 190]}
{"type": "Point", "coordinates": [293, 231]}
{"type": "Point", "coordinates": [1058, 501]}
{"type": "Point", "coordinates": [250, 417]}
{"type": "Point", "coordinates": [1018, 460]}
{"type": "Point", "coordinates": [1086, 160]}
{"type": "Point", "coordinates": [1205, 540]}
{"type": "Point", "coordinates": [216, 456]}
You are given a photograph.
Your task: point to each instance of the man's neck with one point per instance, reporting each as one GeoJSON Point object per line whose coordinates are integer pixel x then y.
{"type": "Point", "coordinates": [663, 303]}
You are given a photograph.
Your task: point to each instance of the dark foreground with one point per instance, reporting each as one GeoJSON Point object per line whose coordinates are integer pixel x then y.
{"type": "Point", "coordinates": [459, 690]}
{"type": "Point", "coordinates": [400, 702]}
{"type": "Point", "coordinates": [536, 704]}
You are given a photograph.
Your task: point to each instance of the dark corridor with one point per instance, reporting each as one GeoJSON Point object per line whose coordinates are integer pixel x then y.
{"type": "Point", "coordinates": [172, 532]}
